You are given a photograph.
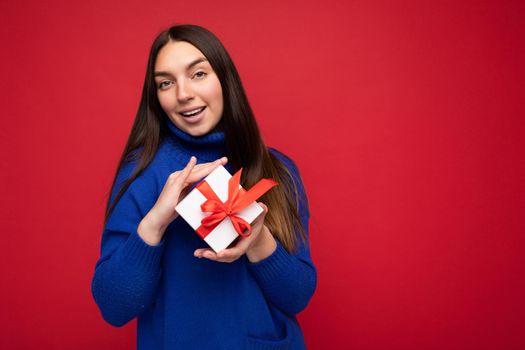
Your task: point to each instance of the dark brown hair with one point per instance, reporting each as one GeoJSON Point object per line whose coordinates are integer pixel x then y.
{"type": "Point", "coordinates": [244, 145]}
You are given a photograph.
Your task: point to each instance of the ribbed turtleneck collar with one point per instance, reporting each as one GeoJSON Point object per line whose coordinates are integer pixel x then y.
{"type": "Point", "coordinates": [208, 147]}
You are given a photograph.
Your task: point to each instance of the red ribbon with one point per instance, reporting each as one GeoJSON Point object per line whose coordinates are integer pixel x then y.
{"type": "Point", "coordinates": [238, 199]}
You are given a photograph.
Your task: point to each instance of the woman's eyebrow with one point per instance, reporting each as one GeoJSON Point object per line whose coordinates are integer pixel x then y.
{"type": "Point", "coordinates": [193, 63]}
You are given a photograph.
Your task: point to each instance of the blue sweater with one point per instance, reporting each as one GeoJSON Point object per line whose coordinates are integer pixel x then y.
{"type": "Point", "coordinates": [183, 302]}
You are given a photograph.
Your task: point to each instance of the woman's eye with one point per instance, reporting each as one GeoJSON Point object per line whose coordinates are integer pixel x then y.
{"type": "Point", "coordinates": [164, 84]}
{"type": "Point", "coordinates": [199, 74]}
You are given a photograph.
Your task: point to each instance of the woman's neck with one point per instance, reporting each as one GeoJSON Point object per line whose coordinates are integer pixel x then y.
{"type": "Point", "coordinates": [206, 148]}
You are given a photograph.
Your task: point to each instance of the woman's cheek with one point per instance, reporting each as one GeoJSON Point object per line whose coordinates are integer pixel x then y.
{"type": "Point", "coordinates": [163, 101]}
{"type": "Point", "coordinates": [213, 92]}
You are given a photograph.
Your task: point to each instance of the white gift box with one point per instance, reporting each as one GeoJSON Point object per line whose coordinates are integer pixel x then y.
{"type": "Point", "coordinates": [190, 210]}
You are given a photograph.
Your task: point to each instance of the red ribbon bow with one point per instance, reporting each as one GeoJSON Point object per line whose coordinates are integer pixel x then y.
{"type": "Point", "coordinates": [238, 199]}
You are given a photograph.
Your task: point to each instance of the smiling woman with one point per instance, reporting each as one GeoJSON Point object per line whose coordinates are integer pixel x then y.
{"type": "Point", "coordinates": [193, 117]}
{"type": "Point", "coordinates": [189, 91]}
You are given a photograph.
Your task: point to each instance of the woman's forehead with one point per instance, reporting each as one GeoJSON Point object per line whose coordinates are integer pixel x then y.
{"type": "Point", "coordinates": [178, 55]}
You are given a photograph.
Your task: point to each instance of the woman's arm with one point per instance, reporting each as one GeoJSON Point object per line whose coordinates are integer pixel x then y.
{"type": "Point", "coordinates": [287, 280]}
{"type": "Point", "coordinates": [128, 270]}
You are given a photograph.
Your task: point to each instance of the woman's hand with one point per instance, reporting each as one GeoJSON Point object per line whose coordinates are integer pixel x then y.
{"type": "Point", "coordinates": [257, 246]}
{"type": "Point", "coordinates": [153, 225]}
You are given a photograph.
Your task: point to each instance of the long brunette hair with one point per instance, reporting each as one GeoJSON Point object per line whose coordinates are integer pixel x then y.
{"type": "Point", "coordinates": [244, 145]}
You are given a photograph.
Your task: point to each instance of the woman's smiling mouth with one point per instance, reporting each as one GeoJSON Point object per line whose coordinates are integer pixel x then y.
{"type": "Point", "coordinates": [193, 116]}
{"type": "Point", "coordinates": [192, 112]}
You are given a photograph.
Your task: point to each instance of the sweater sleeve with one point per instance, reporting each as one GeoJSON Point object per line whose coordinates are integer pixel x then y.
{"type": "Point", "coordinates": [289, 280]}
{"type": "Point", "coordinates": [128, 271]}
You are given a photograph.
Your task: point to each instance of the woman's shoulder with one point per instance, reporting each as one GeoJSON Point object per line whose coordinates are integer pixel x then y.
{"type": "Point", "coordinates": [290, 165]}
{"type": "Point", "coordinates": [295, 178]}
{"type": "Point", "coordinates": [153, 174]}
{"type": "Point", "coordinates": [288, 162]}
{"type": "Point", "coordinates": [159, 161]}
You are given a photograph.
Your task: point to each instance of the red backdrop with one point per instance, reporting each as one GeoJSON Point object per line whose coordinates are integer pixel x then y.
{"type": "Point", "coordinates": [405, 118]}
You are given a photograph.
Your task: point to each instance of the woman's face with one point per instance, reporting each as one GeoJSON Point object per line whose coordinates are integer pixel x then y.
{"type": "Point", "coordinates": [188, 89]}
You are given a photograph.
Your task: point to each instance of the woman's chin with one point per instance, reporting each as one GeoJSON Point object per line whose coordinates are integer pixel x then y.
{"type": "Point", "coordinates": [197, 131]}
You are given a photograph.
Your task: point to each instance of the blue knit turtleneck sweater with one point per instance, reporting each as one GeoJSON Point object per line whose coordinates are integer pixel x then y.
{"type": "Point", "coordinates": [183, 302]}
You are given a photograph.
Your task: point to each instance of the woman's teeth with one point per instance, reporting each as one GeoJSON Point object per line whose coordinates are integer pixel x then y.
{"type": "Point", "coordinates": [192, 113]}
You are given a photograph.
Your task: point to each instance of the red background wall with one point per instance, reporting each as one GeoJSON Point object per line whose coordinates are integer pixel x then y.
{"type": "Point", "coordinates": [405, 118]}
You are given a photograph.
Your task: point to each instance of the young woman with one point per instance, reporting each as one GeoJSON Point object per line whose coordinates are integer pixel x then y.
{"type": "Point", "coordinates": [194, 116]}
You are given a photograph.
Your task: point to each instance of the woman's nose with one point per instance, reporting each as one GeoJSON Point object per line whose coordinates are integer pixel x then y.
{"type": "Point", "coordinates": [184, 92]}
